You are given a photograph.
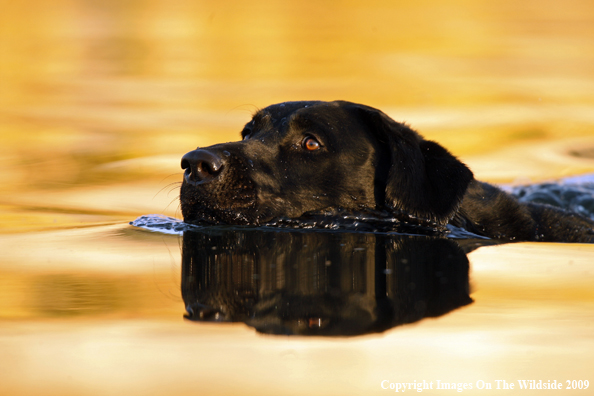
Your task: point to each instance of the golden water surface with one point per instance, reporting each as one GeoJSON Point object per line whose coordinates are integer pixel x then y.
{"type": "Point", "coordinates": [99, 100]}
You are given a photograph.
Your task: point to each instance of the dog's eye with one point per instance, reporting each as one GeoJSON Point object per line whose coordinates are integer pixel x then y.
{"type": "Point", "coordinates": [311, 144]}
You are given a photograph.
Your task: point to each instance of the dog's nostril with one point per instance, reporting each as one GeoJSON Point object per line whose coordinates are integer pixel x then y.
{"type": "Point", "coordinates": [185, 164]}
{"type": "Point", "coordinates": [201, 165]}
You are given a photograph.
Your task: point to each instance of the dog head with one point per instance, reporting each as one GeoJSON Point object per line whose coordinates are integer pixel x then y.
{"type": "Point", "coordinates": [301, 157]}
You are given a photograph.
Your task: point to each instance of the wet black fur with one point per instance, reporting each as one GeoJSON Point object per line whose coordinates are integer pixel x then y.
{"type": "Point", "coordinates": [366, 162]}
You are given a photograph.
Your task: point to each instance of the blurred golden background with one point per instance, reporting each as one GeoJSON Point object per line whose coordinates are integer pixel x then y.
{"type": "Point", "coordinates": [113, 92]}
{"type": "Point", "coordinates": [99, 99]}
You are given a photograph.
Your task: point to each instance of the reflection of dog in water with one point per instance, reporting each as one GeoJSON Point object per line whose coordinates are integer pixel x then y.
{"type": "Point", "coordinates": [298, 158]}
{"type": "Point", "coordinates": [320, 283]}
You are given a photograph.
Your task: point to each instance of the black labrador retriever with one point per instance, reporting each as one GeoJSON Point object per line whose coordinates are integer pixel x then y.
{"type": "Point", "coordinates": [299, 158]}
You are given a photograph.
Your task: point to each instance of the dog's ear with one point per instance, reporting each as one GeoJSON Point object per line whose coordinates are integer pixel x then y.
{"type": "Point", "coordinates": [424, 179]}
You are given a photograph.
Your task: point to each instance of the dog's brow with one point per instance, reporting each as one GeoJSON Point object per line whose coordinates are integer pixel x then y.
{"type": "Point", "coordinates": [261, 119]}
{"type": "Point", "coordinates": [299, 121]}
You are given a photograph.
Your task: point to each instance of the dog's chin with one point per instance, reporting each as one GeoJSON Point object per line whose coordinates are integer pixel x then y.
{"type": "Point", "coordinates": [222, 206]}
{"type": "Point", "coordinates": [205, 216]}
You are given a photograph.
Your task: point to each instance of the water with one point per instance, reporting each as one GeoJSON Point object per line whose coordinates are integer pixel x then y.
{"type": "Point", "coordinates": [575, 194]}
{"type": "Point", "coordinates": [99, 101]}
{"type": "Point", "coordinates": [163, 224]}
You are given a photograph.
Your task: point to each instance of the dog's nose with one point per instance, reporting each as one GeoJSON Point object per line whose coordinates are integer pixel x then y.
{"type": "Point", "coordinates": [201, 166]}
